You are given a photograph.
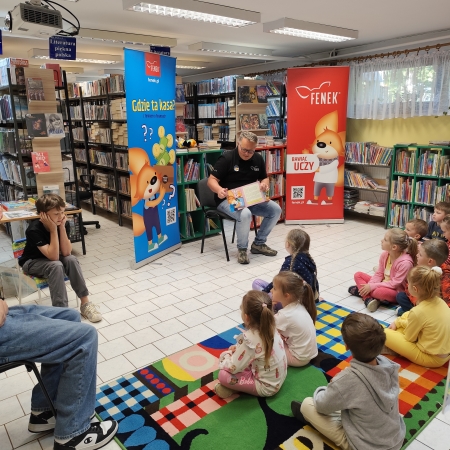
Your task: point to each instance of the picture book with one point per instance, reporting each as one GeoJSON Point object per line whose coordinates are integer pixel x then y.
{"type": "Point", "coordinates": [55, 125]}
{"type": "Point", "coordinates": [35, 89]}
{"type": "Point", "coordinates": [51, 189]}
{"type": "Point", "coordinates": [243, 94]}
{"type": "Point", "coordinates": [254, 122]}
{"type": "Point", "coordinates": [245, 196]}
{"type": "Point", "coordinates": [41, 163]}
{"type": "Point", "coordinates": [261, 90]}
{"type": "Point", "coordinates": [179, 94]}
{"type": "Point", "coordinates": [17, 205]}
{"type": "Point", "coordinates": [36, 125]}
{"type": "Point", "coordinates": [245, 122]}
{"type": "Point", "coordinates": [263, 123]}
{"type": "Point", "coordinates": [179, 124]}
{"type": "Point", "coordinates": [253, 94]}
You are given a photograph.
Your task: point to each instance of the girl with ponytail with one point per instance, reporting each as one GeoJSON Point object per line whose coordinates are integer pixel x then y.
{"type": "Point", "coordinates": [422, 334]}
{"type": "Point", "coordinates": [257, 363]}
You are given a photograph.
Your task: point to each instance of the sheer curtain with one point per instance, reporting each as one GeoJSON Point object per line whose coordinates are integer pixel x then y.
{"type": "Point", "coordinates": [405, 86]}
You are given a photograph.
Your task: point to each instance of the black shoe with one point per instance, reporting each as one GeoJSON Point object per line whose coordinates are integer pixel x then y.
{"type": "Point", "coordinates": [295, 408]}
{"type": "Point", "coordinates": [45, 421]}
{"type": "Point", "coordinates": [353, 290]}
{"type": "Point", "coordinates": [97, 436]}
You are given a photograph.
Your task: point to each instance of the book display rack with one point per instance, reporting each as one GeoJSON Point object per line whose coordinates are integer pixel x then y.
{"type": "Point", "coordinates": [367, 178]}
{"type": "Point", "coordinates": [420, 178]}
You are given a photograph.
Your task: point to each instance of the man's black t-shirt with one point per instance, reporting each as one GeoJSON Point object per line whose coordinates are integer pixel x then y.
{"type": "Point", "coordinates": [232, 171]}
{"type": "Point", "coordinates": [37, 236]}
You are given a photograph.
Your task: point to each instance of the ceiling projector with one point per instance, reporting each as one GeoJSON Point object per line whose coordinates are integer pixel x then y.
{"type": "Point", "coordinates": [33, 19]}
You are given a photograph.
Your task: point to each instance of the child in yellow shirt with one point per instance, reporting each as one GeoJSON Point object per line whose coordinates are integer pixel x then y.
{"type": "Point", "coordinates": [422, 334]}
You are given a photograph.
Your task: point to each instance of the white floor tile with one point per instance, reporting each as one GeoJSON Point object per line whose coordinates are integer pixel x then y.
{"type": "Point", "coordinates": [190, 305]}
{"type": "Point", "coordinates": [172, 344]}
{"type": "Point", "coordinates": [169, 327]}
{"type": "Point", "coordinates": [216, 310]}
{"type": "Point", "coordinates": [435, 435]}
{"type": "Point", "coordinates": [5, 443]}
{"type": "Point", "coordinates": [19, 434]}
{"type": "Point", "coordinates": [143, 337]}
{"type": "Point", "coordinates": [15, 385]}
{"type": "Point", "coordinates": [143, 321]}
{"type": "Point", "coordinates": [115, 331]}
{"type": "Point", "coordinates": [143, 356]}
{"type": "Point", "coordinates": [167, 313]}
{"type": "Point", "coordinates": [193, 318]}
{"type": "Point", "coordinates": [119, 303]}
{"type": "Point", "coordinates": [198, 333]}
{"type": "Point", "coordinates": [10, 410]}
{"type": "Point", "coordinates": [186, 293]}
{"type": "Point", "coordinates": [25, 401]}
{"type": "Point", "coordinates": [221, 324]}
{"type": "Point", "coordinates": [115, 348]}
{"type": "Point", "coordinates": [118, 315]}
{"type": "Point", "coordinates": [114, 368]}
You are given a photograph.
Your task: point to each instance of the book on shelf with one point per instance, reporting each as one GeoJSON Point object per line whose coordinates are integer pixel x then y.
{"type": "Point", "coordinates": [41, 163]}
{"type": "Point", "coordinates": [244, 94]}
{"type": "Point", "coordinates": [51, 189]}
{"type": "Point", "coordinates": [428, 163]}
{"type": "Point", "coordinates": [36, 125]}
{"type": "Point", "coordinates": [263, 122]}
{"type": "Point", "coordinates": [245, 196]}
{"type": "Point", "coordinates": [262, 93]}
{"type": "Point", "coordinates": [17, 205]}
{"type": "Point", "coordinates": [249, 121]}
{"type": "Point", "coordinates": [179, 94]}
{"type": "Point", "coordinates": [367, 153]}
{"type": "Point", "coordinates": [35, 89]}
{"type": "Point", "coordinates": [16, 66]}
{"type": "Point", "coordinates": [443, 143]}
{"type": "Point", "coordinates": [180, 125]}
{"type": "Point", "coordinates": [275, 87]}
{"type": "Point", "coordinates": [273, 107]}
{"type": "Point", "coordinates": [405, 161]}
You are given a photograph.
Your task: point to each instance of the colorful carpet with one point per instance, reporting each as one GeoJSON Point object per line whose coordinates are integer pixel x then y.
{"type": "Point", "coordinates": [171, 404]}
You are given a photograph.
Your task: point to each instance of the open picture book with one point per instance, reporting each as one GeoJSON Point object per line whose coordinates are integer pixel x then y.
{"type": "Point", "coordinates": [245, 196]}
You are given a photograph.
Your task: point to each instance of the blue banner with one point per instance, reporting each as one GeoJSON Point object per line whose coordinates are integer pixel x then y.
{"type": "Point", "coordinates": [1, 43]}
{"type": "Point", "coordinates": [62, 47]}
{"type": "Point", "coordinates": [150, 88]}
{"type": "Point", "coordinates": [161, 50]}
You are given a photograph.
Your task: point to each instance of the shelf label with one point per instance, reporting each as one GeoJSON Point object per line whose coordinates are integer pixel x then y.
{"type": "Point", "coordinates": [62, 47]}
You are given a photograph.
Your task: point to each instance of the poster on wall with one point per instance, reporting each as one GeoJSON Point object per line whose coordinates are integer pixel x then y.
{"type": "Point", "coordinates": [317, 115]}
{"type": "Point", "coordinates": [150, 88]}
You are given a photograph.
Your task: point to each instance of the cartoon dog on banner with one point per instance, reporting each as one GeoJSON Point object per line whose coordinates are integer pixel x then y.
{"type": "Point", "coordinates": [148, 183]}
{"type": "Point", "coordinates": [329, 148]}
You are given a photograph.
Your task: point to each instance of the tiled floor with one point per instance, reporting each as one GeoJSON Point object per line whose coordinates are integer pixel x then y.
{"type": "Point", "coordinates": [183, 298]}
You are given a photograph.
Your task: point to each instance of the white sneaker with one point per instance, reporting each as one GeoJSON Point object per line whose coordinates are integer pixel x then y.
{"type": "Point", "coordinates": [97, 436]}
{"type": "Point", "coordinates": [90, 312]}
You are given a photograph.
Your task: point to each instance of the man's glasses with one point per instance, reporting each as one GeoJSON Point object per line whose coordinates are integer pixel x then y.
{"type": "Point", "coordinates": [247, 152]}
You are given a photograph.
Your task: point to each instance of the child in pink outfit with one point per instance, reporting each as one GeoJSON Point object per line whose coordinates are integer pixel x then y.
{"type": "Point", "coordinates": [398, 257]}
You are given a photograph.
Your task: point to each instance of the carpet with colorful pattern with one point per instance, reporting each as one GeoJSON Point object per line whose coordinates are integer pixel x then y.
{"type": "Point", "coordinates": [171, 404]}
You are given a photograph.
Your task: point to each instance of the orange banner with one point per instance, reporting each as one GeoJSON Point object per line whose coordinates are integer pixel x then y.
{"type": "Point", "coordinates": [316, 125]}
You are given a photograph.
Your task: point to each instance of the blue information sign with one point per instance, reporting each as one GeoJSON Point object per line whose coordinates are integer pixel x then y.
{"type": "Point", "coordinates": [161, 50]}
{"type": "Point", "coordinates": [62, 47]}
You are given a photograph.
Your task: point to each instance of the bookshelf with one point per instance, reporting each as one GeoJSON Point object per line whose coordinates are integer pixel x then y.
{"type": "Point", "coordinates": [191, 168]}
{"type": "Point", "coordinates": [276, 109]}
{"type": "Point", "coordinates": [367, 178]}
{"type": "Point", "coordinates": [420, 177]}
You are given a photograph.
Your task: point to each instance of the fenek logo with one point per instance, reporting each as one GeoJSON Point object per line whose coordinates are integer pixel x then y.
{"type": "Point", "coordinates": [318, 95]}
{"type": "Point", "coordinates": [152, 65]}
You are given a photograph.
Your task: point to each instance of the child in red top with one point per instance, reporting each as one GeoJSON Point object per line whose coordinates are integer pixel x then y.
{"type": "Point", "coordinates": [445, 278]}
{"type": "Point", "coordinates": [431, 253]}
{"type": "Point", "coordinates": [398, 257]}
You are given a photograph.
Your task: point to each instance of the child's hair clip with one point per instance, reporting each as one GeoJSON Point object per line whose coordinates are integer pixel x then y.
{"type": "Point", "coordinates": [437, 269]}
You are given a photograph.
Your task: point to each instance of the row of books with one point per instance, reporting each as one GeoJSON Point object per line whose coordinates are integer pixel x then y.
{"type": "Point", "coordinates": [423, 213]}
{"type": "Point", "coordinates": [125, 206]}
{"type": "Point", "coordinates": [20, 106]}
{"type": "Point", "coordinates": [273, 108]}
{"type": "Point", "coordinates": [10, 171]}
{"type": "Point", "coordinates": [192, 202]}
{"type": "Point", "coordinates": [273, 159]}
{"type": "Point", "coordinates": [80, 154]}
{"type": "Point", "coordinates": [399, 215]}
{"type": "Point", "coordinates": [212, 110]}
{"type": "Point", "coordinates": [91, 112]}
{"type": "Point", "coordinates": [99, 133]}
{"type": "Point", "coordinates": [100, 158]}
{"type": "Point", "coordinates": [253, 94]}
{"type": "Point", "coordinates": [8, 141]}
{"type": "Point", "coordinates": [179, 94]}
{"type": "Point", "coordinates": [124, 185]}
{"type": "Point", "coordinates": [352, 178]}
{"type": "Point", "coordinates": [211, 225]}
{"type": "Point", "coordinates": [189, 111]}
{"type": "Point", "coordinates": [428, 192]}
{"type": "Point", "coordinates": [276, 185]}
{"type": "Point", "coordinates": [105, 200]}
{"type": "Point", "coordinates": [368, 153]}
{"type": "Point", "coordinates": [401, 189]}
{"type": "Point", "coordinates": [118, 109]}
{"type": "Point", "coordinates": [120, 134]}
{"type": "Point", "coordinates": [434, 164]}
{"type": "Point", "coordinates": [253, 121]}
{"type": "Point", "coordinates": [112, 84]}
{"type": "Point", "coordinates": [16, 66]}
{"type": "Point", "coordinates": [217, 86]}
{"type": "Point", "coordinates": [45, 125]}
{"type": "Point", "coordinates": [204, 132]}
{"type": "Point", "coordinates": [224, 132]}
{"type": "Point", "coordinates": [405, 161]}
{"type": "Point", "coordinates": [78, 134]}
{"type": "Point", "coordinates": [191, 170]}
{"type": "Point", "coordinates": [122, 160]}
{"type": "Point", "coordinates": [274, 128]}
{"type": "Point", "coordinates": [104, 180]}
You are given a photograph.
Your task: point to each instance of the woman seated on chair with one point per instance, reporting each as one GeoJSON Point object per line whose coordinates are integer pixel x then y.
{"type": "Point", "coordinates": [47, 254]}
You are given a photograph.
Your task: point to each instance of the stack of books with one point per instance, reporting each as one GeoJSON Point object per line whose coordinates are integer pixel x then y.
{"type": "Point", "coordinates": [351, 197]}
{"type": "Point", "coordinates": [120, 134]}
{"type": "Point", "coordinates": [192, 202]}
{"type": "Point", "coordinates": [362, 206]}
{"type": "Point", "coordinates": [352, 178]}
{"type": "Point", "coordinates": [118, 109]}
{"type": "Point", "coordinates": [368, 153]}
{"type": "Point", "coordinates": [377, 209]}
{"type": "Point", "coordinates": [405, 161]}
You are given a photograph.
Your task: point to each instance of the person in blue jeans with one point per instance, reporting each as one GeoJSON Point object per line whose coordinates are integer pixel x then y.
{"type": "Point", "coordinates": [67, 350]}
{"type": "Point", "coordinates": [237, 168]}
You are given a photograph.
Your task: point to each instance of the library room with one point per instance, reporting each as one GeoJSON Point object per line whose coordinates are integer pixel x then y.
{"type": "Point", "coordinates": [224, 225]}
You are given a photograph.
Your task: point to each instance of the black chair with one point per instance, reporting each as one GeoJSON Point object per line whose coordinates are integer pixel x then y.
{"type": "Point", "coordinates": [31, 366]}
{"type": "Point", "coordinates": [210, 211]}
{"type": "Point", "coordinates": [86, 182]}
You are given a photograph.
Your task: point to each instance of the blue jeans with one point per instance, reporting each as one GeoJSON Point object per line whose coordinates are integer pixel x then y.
{"type": "Point", "coordinates": [404, 301]}
{"type": "Point", "coordinates": [270, 211]}
{"type": "Point", "coordinates": [67, 350]}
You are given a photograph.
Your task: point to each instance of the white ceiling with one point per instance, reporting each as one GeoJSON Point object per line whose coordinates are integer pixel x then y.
{"type": "Point", "coordinates": [376, 21]}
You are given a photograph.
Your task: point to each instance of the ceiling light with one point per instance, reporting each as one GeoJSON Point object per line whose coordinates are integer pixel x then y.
{"type": "Point", "coordinates": [182, 64]}
{"type": "Point", "coordinates": [196, 10]}
{"type": "Point", "coordinates": [309, 30]}
{"type": "Point", "coordinates": [125, 38]}
{"type": "Point", "coordinates": [93, 58]}
{"type": "Point", "coordinates": [233, 49]}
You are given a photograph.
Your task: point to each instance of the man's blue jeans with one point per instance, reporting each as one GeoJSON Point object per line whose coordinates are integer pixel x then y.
{"type": "Point", "coordinates": [67, 350]}
{"type": "Point", "coordinates": [270, 211]}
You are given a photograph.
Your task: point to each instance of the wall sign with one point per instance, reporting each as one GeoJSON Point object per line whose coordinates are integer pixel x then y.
{"type": "Point", "coordinates": [62, 47]}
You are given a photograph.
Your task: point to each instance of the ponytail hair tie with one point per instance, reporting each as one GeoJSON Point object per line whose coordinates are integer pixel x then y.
{"type": "Point", "coordinates": [437, 269]}
{"type": "Point", "coordinates": [264, 305]}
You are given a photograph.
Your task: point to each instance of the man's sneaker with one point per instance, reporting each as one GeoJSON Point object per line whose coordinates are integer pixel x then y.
{"type": "Point", "coordinates": [372, 304]}
{"type": "Point", "coordinates": [222, 391]}
{"type": "Point", "coordinates": [97, 436]}
{"type": "Point", "coordinates": [399, 311]}
{"type": "Point", "coordinates": [45, 421]}
{"type": "Point", "coordinates": [263, 250]}
{"type": "Point", "coordinates": [90, 312]}
{"type": "Point", "coordinates": [242, 256]}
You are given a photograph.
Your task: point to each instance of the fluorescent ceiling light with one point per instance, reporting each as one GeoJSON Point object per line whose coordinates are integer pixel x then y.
{"type": "Point", "coordinates": [309, 30]}
{"type": "Point", "coordinates": [233, 49]}
{"type": "Point", "coordinates": [92, 58]}
{"type": "Point", "coordinates": [125, 38]}
{"type": "Point", "coordinates": [181, 64]}
{"type": "Point", "coordinates": [196, 10]}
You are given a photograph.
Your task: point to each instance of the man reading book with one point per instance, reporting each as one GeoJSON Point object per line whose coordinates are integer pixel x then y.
{"type": "Point", "coordinates": [237, 168]}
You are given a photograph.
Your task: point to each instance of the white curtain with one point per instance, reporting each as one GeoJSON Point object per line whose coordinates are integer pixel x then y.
{"type": "Point", "coordinates": [405, 86]}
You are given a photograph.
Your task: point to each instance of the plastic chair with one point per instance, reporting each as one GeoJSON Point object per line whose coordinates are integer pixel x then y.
{"type": "Point", "coordinates": [210, 211]}
{"type": "Point", "coordinates": [86, 182]}
{"type": "Point", "coordinates": [31, 366]}
{"type": "Point", "coordinates": [41, 283]}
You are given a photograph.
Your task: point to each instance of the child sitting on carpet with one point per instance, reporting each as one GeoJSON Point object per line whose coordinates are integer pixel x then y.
{"type": "Point", "coordinates": [257, 363]}
{"type": "Point", "coordinates": [295, 321]}
{"type": "Point", "coordinates": [298, 261]}
{"type": "Point", "coordinates": [359, 408]}
{"type": "Point", "coordinates": [416, 229]}
{"type": "Point", "coordinates": [422, 335]}
{"type": "Point", "coordinates": [433, 252]}
{"type": "Point", "coordinates": [441, 209]}
{"type": "Point", "coordinates": [398, 257]}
